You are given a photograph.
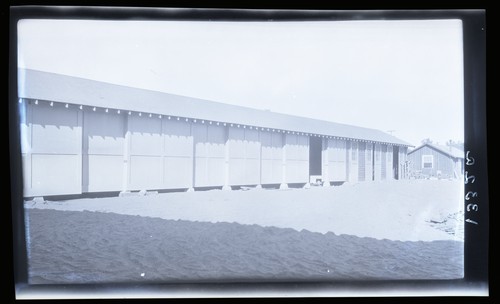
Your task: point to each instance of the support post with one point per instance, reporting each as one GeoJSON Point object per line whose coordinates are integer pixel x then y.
{"type": "Point", "coordinates": [283, 184]}
{"type": "Point", "coordinates": [226, 161]}
{"type": "Point", "coordinates": [126, 157]}
{"type": "Point", "coordinates": [26, 142]}
{"type": "Point", "coordinates": [326, 161]}
{"type": "Point", "coordinates": [193, 160]}
{"type": "Point", "coordinates": [259, 186]}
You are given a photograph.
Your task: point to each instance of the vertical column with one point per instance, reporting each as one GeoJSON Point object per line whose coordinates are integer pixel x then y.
{"type": "Point", "coordinates": [283, 184]}
{"type": "Point", "coordinates": [259, 186]}
{"type": "Point", "coordinates": [390, 162]}
{"type": "Point", "coordinates": [369, 162]}
{"type": "Point", "coordinates": [163, 154]}
{"type": "Point", "coordinates": [326, 162]}
{"type": "Point", "coordinates": [308, 182]}
{"type": "Point", "coordinates": [26, 119]}
{"type": "Point", "coordinates": [347, 160]}
{"type": "Point", "coordinates": [126, 156]}
{"type": "Point", "coordinates": [193, 160]}
{"type": "Point", "coordinates": [84, 152]}
{"type": "Point", "coordinates": [402, 164]}
{"type": "Point", "coordinates": [226, 160]}
{"type": "Point", "coordinates": [403, 161]}
{"type": "Point", "coordinates": [373, 161]}
{"type": "Point", "coordinates": [80, 148]}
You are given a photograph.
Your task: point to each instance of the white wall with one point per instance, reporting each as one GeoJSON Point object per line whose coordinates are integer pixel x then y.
{"type": "Point", "coordinates": [103, 151]}
{"type": "Point", "coordinates": [369, 162]}
{"type": "Point", "coordinates": [146, 153]}
{"type": "Point", "coordinates": [272, 157]}
{"type": "Point", "coordinates": [161, 153]}
{"type": "Point", "coordinates": [337, 167]}
{"type": "Point", "coordinates": [52, 150]}
{"type": "Point", "coordinates": [377, 162]}
{"type": "Point", "coordinates": [244, 156]}
{"type": "Point", "coordinates": [389, 159]}
{"type": "Point", "coordinates": [297, 158]}
{"type": "Point", "coordinates": [383, 162]}
{"type": "Point", "coordinates": [352, 156]}
{"type": "Point", "coordinates": [178, 154]}
{"type": "Point", "coordinates": [70, 151]}
{"type": "Point", "coordinates": [209, 142]}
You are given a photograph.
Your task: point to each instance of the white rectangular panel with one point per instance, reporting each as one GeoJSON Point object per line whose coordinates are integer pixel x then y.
{"type": "Point", "coordinates": [105, 173]}
{"type": "Point", "coordinates": [56, 174]}
{"type": "Point", "coordinates": [178, 172]}
{"type": "Point", "coordinates": [146, 172]}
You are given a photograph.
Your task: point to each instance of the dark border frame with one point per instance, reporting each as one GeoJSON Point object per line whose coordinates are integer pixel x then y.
{"type": "Point", "coordinates": [476, 236]}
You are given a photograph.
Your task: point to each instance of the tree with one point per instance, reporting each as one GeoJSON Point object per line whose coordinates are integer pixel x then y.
{"type": "Point", "coordinates": [426, 141]}
{"type": "Point", "coordinates": [457, 144]}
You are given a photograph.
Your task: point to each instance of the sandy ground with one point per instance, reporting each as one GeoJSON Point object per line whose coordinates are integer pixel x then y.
{"type": "Point", "coordinates": [96, 247]}
{"type": "Point", "coordinates": [388, 230]}
{"type": "Point", "coordinates": [413, 210]}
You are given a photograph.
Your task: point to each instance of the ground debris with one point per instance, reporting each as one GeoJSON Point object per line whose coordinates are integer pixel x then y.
{"type": "Point", "coordinates": [452, 224]}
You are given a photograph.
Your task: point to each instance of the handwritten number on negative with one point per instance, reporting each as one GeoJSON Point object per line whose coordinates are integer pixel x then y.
{"type": "Point", "coordinates": [473, 207]}
{"type": "Point", "coordinates": [470, 194]}
{"type": "Point", "coordinates": [469, 159]}
{"type": "Point", "coordinates": [467, 178]}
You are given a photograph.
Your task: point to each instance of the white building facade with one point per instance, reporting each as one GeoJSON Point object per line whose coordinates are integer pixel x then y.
{"type": "Point", "coordinates": [81, 136]}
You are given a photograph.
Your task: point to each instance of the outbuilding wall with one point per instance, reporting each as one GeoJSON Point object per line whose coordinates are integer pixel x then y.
{"type": "Point", "coordinates": [178, 154]}
{"type": "Point", "coordinates": [334, 160]}
{"type": "Point", "coordinates": [389, 163]}
{"type": "Point", "coordinates": [369, 162]}
{"type": "Point", "coordinates": [377, 162]}
{"type": "Point", "coordinates": [383, 162]}
{"type": "Point", "coordinates": [209, 152]}
{"type": "Point", "coordinates": [352, 161]}
{"type": "Point", "coordinates": [146, 153]}
{"type": "Point", "coordinates": [52, 150]}
{"type": "Point", "coordinates": [70, 150]}
{"type": "Point", "coordinates": [297, 158]}
{"type": "Point", "coordinates": [443, 165]}
{"type": "Point", "coordinates": [361, 161]}
{"type": "Point", "coordinates": [103, 153]}
{"type": "Point", "coordinates": [403, 168]}
{"type": "Point", "coordinates": [160, 153]}
{"type": "Point", "coordinates": [272, 157]}
{"type": "Point", "coordinates": [244, 156]}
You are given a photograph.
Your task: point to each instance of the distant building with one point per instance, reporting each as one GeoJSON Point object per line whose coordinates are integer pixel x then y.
{"type": "Point", "coordinates": [431, 160]}
{"type": "Point", "coordinates": [80, 136]}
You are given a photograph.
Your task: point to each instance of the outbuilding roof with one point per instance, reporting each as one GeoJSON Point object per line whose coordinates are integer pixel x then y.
{"type": "Point", "coordinates": [34, 84]}
{"type": "Point", "coordinates": [447, 150]}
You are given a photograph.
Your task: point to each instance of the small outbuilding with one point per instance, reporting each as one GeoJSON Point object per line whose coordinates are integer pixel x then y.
{"type": "Point", "coordinates": [81, 136]}
{"type": "Point", "coordinates": [432, 160]}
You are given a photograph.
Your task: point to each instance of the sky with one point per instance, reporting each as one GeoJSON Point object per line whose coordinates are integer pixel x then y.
{"type": "Point", "coordinates": [401, 77]}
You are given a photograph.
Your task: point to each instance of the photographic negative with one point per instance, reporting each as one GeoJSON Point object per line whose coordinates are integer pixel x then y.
{"type": "Point", "coordinates": [174, 151]}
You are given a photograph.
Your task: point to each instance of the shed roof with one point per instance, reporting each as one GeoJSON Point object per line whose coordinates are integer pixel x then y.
{"type": "Point", "coordinates": [34, 84]}
{"type": "Point", "coordinates": [447, 150]}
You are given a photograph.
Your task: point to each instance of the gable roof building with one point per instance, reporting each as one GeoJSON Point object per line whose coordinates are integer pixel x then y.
{"type": "Point", "coordinates": [432, 160]}
{"type": "Point", "coordinates": [67, 89]}
{"type": "Point", "coordinates": [81, 135]}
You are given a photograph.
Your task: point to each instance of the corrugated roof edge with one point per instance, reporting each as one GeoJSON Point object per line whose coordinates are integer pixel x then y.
{"type": "Point", "coordinates": [34, 84]}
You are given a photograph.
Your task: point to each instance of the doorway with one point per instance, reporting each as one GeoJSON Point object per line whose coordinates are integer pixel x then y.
{"type": "Point", "coordinates": [395, 161]}
{"type": "Point", "coordinates": [315, 148]}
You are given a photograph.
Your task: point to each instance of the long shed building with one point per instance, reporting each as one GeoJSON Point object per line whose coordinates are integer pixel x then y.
{"type": "Point", "coordinates": [80, 136]}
